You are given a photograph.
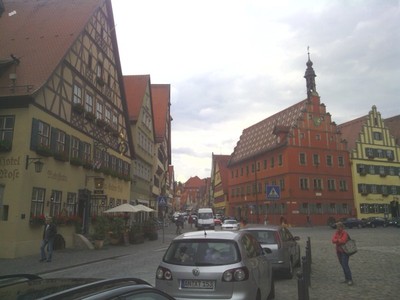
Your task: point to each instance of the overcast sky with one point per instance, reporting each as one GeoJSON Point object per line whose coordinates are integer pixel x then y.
{"type": "Point", "coordinates": [233, 63]}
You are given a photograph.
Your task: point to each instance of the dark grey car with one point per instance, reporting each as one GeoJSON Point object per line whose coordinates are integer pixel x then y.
{"type": "Point", "coordinates": [285, 249]}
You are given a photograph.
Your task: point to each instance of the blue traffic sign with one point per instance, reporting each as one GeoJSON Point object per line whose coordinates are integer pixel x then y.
{"type": "Point", "coordinates": [273, 192]}
{"type": "Point", "coordinates": [162, 201]}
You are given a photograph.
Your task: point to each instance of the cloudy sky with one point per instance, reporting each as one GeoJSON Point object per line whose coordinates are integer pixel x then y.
{"type": "Point", "coordinates": [233, 63]}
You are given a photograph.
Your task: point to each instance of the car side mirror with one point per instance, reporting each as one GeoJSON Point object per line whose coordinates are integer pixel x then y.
{"type": "Point", "coordinates": [267, 250]}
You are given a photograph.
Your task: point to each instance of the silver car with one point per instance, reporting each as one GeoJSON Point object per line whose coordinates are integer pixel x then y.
{"type": "Point", "coordinates": [216, 265]}
{"type": "Point", "coordinates": [230, 225]}
{"type": "Point", "coordinates": [285, 249]}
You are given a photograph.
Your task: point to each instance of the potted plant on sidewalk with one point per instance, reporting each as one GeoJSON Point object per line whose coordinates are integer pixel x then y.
{"type": "Point", "coordinates": [101, 227]}
{"type": "Point", "coordinates": [117, 225]}
{"type": "Point", "coordinates": [136, 235]}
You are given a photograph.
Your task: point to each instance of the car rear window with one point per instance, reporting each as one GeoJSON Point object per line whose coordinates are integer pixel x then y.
{"type": "Point", "coordinates": [264, 236]}
{"type": "Point", "coordinates": [205, 252]}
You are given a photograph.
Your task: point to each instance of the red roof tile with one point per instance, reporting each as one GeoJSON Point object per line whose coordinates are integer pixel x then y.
{"type": "Point", "coordinates": [260, 137]}
{"type": "Point", "coordinates": [39, 34]}
{"type": "Point", "coordinates": [393, 124]}
{"type": "Point", "coordinates": [222, 161]}
{"type": "Point", "coordinates": [135, 89]}
{"type": "Point", "coordinates": [160, 94]}
{"type": "Point", "coordinates": [351, 130]}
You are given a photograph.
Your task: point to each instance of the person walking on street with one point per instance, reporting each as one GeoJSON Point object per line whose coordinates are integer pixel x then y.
{"type": "Point", "coordinates": [179, 224]}
{"type": "Point", "coordinates": [340, 238]}
{"type": "Point", "coordinates": [49, 234]}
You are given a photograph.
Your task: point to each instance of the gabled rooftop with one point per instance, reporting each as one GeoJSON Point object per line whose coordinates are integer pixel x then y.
{"type": "Point", "coordinates": [161, 102]}
{"type": "Point", "coordinates": [261, 137]}
{"type": "Point", "coordinates": [222, 161]}
{"type": "Point", "coordinates": [38, 34]}
{"type": "Point", "coordinates": [351, 130]}
{"type": "Point", "coordinates": [393, 124]}
{"type": "Point", "coordinates": [135, 89]}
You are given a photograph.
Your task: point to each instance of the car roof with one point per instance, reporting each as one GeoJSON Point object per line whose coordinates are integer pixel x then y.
{"type": "Point", "coordinates": [262, 227]}
{"type": "Point", "coordinates": [32, 286]}
{"type": "Point", "coordinates": [209, 234]}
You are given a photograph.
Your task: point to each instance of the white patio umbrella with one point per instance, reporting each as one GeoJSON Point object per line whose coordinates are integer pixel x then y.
{"type": "Point", "coordinates": [141, 207]}
{"type": "Point", "coordinates": [123, 208]}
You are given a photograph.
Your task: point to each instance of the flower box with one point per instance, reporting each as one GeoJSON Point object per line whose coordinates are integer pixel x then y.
{"type": "Point", "coordinates": [90, 116]}
{"type": "Point", "coordinates": [44, 150]}
{"type": "Point", "coordinates": [61, 156]}
{"type": "Point", "coordinates": [37, 220]}
{"type": "Point", "coordinates": [101, 123]}
{"type": "Point", "coordinates": [75, 161]}
{"type": "Point", "coordinates": [78, 108]}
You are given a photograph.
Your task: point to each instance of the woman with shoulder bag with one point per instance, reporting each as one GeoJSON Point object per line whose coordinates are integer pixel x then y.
{"type": "Point", "coordinates": [340, 238]}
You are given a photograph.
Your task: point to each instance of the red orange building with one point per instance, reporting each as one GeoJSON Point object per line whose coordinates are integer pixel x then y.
{"type": "Point", "coordinates": [292, 166]}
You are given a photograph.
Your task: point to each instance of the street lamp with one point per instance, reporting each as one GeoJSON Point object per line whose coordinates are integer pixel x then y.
{"type": "Point", "coordinates": [37, 162]}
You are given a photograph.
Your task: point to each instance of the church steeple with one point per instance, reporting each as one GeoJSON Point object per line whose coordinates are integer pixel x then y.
{"type": "Point", "coordinates": [310, 76]}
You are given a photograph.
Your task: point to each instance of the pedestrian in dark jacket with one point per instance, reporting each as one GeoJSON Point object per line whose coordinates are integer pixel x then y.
{"type": "Point", "coordinates": [340, 238]}
{"type": "Point", "coordinates": [49, 234]}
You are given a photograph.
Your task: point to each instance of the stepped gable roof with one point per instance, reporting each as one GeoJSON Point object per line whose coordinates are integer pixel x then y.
{"type": "Point", "coordinates": [261, 137]}
{"type": "Point", "coordinates": [351, 130]}
{"type": "Point", "coordinates": [38, 34]}
{"type": "Point", "coordinates": [160, 94]}
{"type": "Point", "coordinates": [135, 89]}
{"type": "Point", "coordinates": [222, 161]}
{"type": "Point", "coordinates": [393, 124]}
{"type": "Point", "coordinates": [194, 182]}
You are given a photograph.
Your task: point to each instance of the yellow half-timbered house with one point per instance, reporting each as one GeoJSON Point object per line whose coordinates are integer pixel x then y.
{"type": "Point", "coordinates": [65, 142]}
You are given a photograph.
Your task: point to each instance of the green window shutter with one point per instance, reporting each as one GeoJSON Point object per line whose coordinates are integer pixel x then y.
{"type": "Point", "coordinates": [34, 134]}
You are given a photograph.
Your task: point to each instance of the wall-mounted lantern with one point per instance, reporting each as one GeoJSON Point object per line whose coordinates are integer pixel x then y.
{"type": "Point", "coordinates": [37, 161]}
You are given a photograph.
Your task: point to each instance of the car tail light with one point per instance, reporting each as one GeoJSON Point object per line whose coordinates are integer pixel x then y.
{"type": "Point", "coordinates": [163, 274]}
{"type": "Point", "coordinates": [238, 274]}
{"type": "Point", "coordinates": [278, 239]}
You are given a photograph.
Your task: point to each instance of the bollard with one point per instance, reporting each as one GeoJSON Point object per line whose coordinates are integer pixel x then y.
{"type": "Point", "coordinates": [309, 249]}
{"type": "Point", "coordinates": [306, 271]}
{"type": "Point", "coordinates": [302, 288]}
{"type": "Point", "coordinates": [300, 285]}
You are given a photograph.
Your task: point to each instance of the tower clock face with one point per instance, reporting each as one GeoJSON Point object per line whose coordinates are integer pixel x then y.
{"type": "Point", "coordinates": [317, 121]}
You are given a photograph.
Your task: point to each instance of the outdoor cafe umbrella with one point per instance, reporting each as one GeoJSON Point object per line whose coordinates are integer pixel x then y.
{"type": "Point", "coordinates": [123, 208]}
{"type": "Point", "coordinates": [141, 207]}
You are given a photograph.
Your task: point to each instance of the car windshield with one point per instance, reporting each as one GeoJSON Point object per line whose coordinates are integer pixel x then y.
{"type": "Point", "coordinates": [205, 252]}
{"type": "Point", "coordinates": [230, 222]}
{"type": "Point", "coordinates": [206, 216]}
{"type": "Point", "coordinates": [264, 236]}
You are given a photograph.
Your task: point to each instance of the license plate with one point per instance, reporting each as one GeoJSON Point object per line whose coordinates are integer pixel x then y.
{"type": "Point", "coordinates": [197, 284]}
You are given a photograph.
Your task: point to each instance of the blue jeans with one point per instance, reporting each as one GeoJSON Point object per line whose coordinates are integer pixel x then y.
{"type": "Point", "coordinates": [50, 244]}
{"type": "Point", "coordinates": [344, 262]}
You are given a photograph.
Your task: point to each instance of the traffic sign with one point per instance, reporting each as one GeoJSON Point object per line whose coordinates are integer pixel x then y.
{"type": "Point", "coordinates": [162, 201]}
{"type": "Point", "coordinates": [273, 192]}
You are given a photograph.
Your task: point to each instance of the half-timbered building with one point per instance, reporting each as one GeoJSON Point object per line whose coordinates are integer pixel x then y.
{"type": "Point", "coordinates": [65, 141]}
{"type": "Point", "coordinates": [141, 116]}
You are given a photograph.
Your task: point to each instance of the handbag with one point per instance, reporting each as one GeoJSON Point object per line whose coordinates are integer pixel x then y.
{"type": "Point", "coordinates": [350, 247]}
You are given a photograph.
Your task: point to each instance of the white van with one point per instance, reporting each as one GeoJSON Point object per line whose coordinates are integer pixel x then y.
{"type": "Point", "coordinates": [205, 219]}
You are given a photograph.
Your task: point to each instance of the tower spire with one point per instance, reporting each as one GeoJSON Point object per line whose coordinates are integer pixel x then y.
{"type": "Point", "coordinates": [310, 76]}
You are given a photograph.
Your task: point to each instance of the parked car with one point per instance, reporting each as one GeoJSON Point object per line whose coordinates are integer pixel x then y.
{"type": "Point", "coordinates": [374, 222]}
{"type": "Point", "coordinates": [27, 286]}
{"type": "Point", "coordinates": [216, 265]}
{"type": "Point", "coordinates": [393, 222]}
{"type": "Point", "coordinates": [217, 222]}
{"type": "Point", "coordinates": [284, 247]}
{"type": "Point", "coordinates": [350, 223]}
{"type": "Point", "coordinates": [230, 225]}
